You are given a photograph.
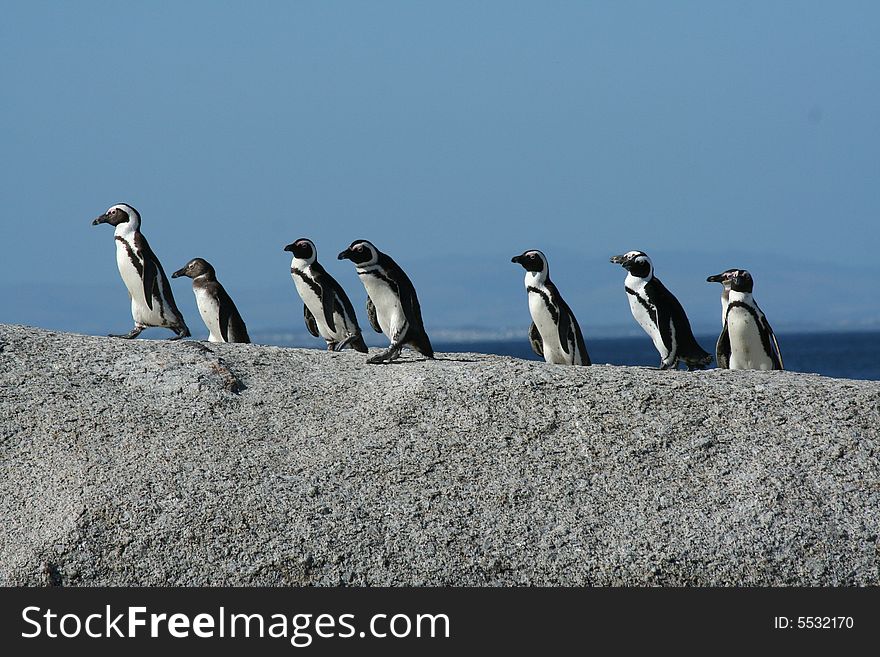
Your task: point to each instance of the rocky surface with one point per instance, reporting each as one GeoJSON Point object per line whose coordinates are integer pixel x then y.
{"type": "Point", "coordinates": [156, 463]}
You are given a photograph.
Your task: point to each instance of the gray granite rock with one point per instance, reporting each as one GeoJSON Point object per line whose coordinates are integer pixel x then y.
{"type": "Point", "coordinates": [154, 463]}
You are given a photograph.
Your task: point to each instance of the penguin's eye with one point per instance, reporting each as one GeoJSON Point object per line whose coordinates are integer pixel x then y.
{"type": "Point", "coordinates": [359, 248]}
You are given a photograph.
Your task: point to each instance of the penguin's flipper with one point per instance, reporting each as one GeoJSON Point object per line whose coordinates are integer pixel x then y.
{"type": "Point", "coordinates": [149, 281]}
{"type": "Point", "coordinates": [417, 335]}
{"type": "Point", "coordinates": [371, 315]}
{"type": "Point", "coordinates": [665, 327]}
{"type": "Point", "coordinates": [535, 340]}
{"type": "Point", "coordinates": [328, 300]}
{"type": "Point", "coordinates": [311, 324]}
{"type": "Point", "coordinates": [778, 355]}
{"type": "Point", "coordinates": [343, 307]}
{"type": "Point", "coordinates": [225, 311]}
{"type": "Point", "coordinates": [327, 293]}
{"type": "Point", "coordinates": [563, 316]}
{"type": "Point", "coordinates": [722, 349]}
{"type": "Point", "coordinates": [239, 329]}
{"type": "Point", "coordinates": [224, 322]}
{"type": "Point", "coordinates": [579, 341]}
{"type": "Point", "coordinates": [565, 337]}
{"type": "Point", "coordinates": [150, 268]}
{"type": "Point", "coordinates": [768, 337]}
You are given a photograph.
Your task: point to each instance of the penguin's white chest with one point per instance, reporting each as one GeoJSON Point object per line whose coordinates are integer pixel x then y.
{"type": "Point", "coordinates": [134, 282]}
{"type": "Point", "coordinates": [389, 311]}
{"type": "Point", "coordinates": [642, 315]}
{"type": "Point", "coordinates": [129, 273]}
{"type": "Point", "coordinates": [548, 328]}
{"type": "Point", "coordinates": [746, 349]}
{"type": "Point", "coordinates": [316, 307]}
{"type": "Point", "coordinates": [209, 309]}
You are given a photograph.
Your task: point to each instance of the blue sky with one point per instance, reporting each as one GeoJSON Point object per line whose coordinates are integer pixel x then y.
{"type": "Point", "coordinates": [453, 135]}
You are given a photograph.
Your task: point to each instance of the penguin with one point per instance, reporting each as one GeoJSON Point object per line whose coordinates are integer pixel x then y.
{"type": "Point", "coordinates": [660, 314]}
{"type": "Point", "coordinates": [215, 306]}
{"type": "Point", "coordinates": [554, 333]}
{"type": "Point", "coordinates": [392, 305]}
{"type": "Point", "coordinates": [327, 310]}
{"type": "Point", "coordinates": [152, 302]}
{"type": "Point", "coordinates": [747, 341]}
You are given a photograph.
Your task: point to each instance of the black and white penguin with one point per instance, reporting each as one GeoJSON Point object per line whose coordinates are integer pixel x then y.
{"type": "Point", "coordinates": [392, 305]}
{"type": "Point", "coordinates": [554, 333]}
{"type": "Point", "coordinates": [215, 306]}
{"type": "Point", "coordinates": [152, 302]}
{"type": "Point", "coordinates": [746, 342]}
{"type": "Point", "coordinates": [327, 310]}
{"type": "Point", "coordinates": [658, 312]}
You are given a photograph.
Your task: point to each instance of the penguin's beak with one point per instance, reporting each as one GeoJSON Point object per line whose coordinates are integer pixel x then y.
{"type": "Point", "coordinates": [717, 278]}
{"type": "Point", "coordinates": [100, 220]}
{"type": "Point", "coordinates": [289, 247]}
{"type": "Point", "coordinates": [345, 255]}
{"type": "Point", "coordinates": [517, 259]}
{"type": "Point", "coordinates": [179, 273]}
{"type": "Point", "coordinates": [619, 260]}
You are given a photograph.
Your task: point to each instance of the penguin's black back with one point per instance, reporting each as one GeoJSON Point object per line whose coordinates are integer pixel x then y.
{"type": "Point", "coordinates": [573, 323]}
{"type": "Point", "coordinates": [688, 349]}
{"type": "Point", "coordinates": [230, 319]}
{"type": "Point", "coordinates": [343, 304]}
{"type": "Point", "coordinates": [417, 337]}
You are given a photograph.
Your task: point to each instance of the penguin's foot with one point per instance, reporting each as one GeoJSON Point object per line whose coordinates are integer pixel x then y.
{"type": "Point", "coordinates": [331, 346]}
{"type": "Point", "coordinates": [133, 333]}
{"type": "Point", "coordinates": [666, 366]}
{"type": "Point", "coordinates": [378, 359]}
{"type": "Point", "coordinates": [181, 333]}
{"type": "Point", "coordinates": [697, 363]}
{"type": "Point", "coordinates": [385, 356]}
{"type": "Point", "coordinates": [342, 345]}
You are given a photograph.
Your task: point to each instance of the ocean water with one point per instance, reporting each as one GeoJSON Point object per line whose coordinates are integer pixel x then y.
{"type": "Point", "coordinates": [840, 355]}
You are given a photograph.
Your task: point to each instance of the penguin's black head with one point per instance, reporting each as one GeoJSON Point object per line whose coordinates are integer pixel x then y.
{"type": "Point", "coordinates": [303, 249]}
{"type": "Point", "coordinates": [360, 252]}
{"type": "Point", "coordinates": [741, 281]}
{"type": "Point", "coordinates": [194, 268]}
{"type": "Point", "coordinates": [119, 214]}
{"type": "Point", "coordinates": [724, 277]}
{"type": "Point", "coordinates": [533, 261]}
{"type": "Point", "coordinates": [636, 263]}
